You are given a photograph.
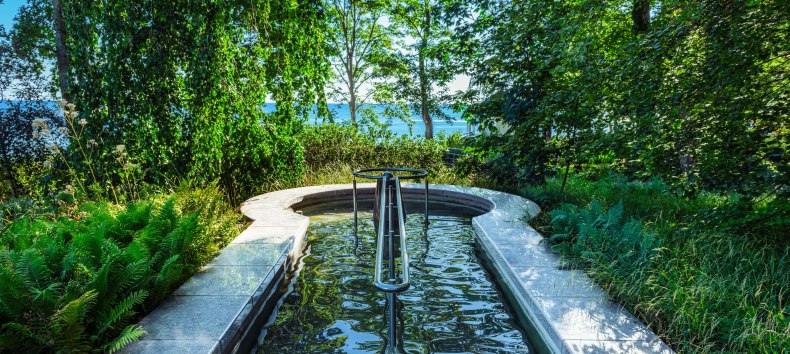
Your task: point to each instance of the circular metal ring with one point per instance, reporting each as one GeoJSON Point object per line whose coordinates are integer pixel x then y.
{"type": "Point", "coordinates": [416, 173]}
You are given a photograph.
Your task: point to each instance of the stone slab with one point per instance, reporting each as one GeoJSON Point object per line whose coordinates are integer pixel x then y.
{"type": "Point", "coordinates": [192, 318]}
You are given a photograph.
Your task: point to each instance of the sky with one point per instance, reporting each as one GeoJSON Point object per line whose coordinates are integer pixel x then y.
{"type": "Point", "coordinates": [9, 9]}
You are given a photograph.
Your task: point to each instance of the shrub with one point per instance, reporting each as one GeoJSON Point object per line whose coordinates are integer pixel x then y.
{"type": "Point", "coordinates": [330, 144]}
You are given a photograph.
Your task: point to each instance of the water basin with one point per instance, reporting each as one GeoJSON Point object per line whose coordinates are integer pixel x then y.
{"type": "Point", "coordinates": [452, 306]}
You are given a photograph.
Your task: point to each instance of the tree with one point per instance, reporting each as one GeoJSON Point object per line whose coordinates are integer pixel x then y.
{"type": "Point", "coordinates": [359, 41]}
{"type": "Point", "coordinates": [179, 86]}
{"type": "Point", "coordinates": [420, 64]}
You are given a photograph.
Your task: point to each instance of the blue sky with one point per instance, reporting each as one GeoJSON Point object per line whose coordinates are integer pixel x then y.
{"type": "Point", "coordinates": [8, 10]}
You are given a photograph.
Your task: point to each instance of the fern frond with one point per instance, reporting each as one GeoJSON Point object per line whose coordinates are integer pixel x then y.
{"type": "Point", "coordinates": [123, 309]}
{"type": "Point", "coordinates": [33, 269]}
{"type": "Point", "coordinates": [129, 334]}
{"type": "Point", "coordinates": [132, 273]}
{"type": "Point", "coordinates": [77, 309]}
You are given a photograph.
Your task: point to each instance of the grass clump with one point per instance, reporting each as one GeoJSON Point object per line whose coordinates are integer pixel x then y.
{"type": "Point", "coordinates": [708, 273]}
{"type": "Point", "coordinates": [77, 279]}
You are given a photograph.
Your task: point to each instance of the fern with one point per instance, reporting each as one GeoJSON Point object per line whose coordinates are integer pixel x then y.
{"type": "Point", "coordinates": [122, 310]}
{"type": "Point", "coordinates": [133, 273]}
{"type": "Point", "coordinates": [129, 334]}
{"type": "Point", "coordinates": [76, 310]}
{"type": "Point", "coordinates": [76, 283]}
{"type": "Point", "coordinates": [32, 267]}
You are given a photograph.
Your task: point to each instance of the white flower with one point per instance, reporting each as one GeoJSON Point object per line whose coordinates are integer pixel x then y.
{"type": "Point", "coordinates": [63, 130]}
{"type": "Point", "coordinates": [62, 104]}
{"type": "Point", "coordinates": [70, 106]}
{"type": "Point", "coordinates": [82, 122]}
{"type": "Point", "coordinates": [92, 142]}
{"type": "Point", "coordinates": [120, 149]}
{"type": "Point", "coordinates": [39, 123]}
{"type": "Point", "coordinates": [72, 114]}
{"type": "Point", "coordinates": [47, 164]}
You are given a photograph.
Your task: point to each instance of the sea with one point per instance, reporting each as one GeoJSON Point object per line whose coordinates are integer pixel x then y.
{"type": "Point", "coordinates": [341, 115]}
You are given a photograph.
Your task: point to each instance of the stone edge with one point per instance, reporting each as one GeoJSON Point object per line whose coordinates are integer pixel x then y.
{"type": "Point", "coordinates": [274, 210]}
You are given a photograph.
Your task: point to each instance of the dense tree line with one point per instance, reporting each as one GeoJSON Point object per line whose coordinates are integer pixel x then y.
{"type": "Point", "coordinates": [694, 92]}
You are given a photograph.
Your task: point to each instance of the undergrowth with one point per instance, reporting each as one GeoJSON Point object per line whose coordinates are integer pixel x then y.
{"type": "Point", "coordinates": [708, 274]}
{"type": "Point", "coordinates": [333, 151]}
{"type": "Point", "coordinates": [76, 278]}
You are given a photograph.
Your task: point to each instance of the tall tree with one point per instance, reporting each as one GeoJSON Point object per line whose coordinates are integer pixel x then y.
{"type": "Point", "coordinates": [421, 65]}
{"type": "Point", "coordinates": [359, 40]}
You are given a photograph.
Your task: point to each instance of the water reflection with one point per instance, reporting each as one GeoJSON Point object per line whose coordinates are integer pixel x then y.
{"type": "Point", "coordinates": [451, 307]}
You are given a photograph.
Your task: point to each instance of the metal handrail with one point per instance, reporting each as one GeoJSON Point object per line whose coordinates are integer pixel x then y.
{"type": "Point", "coordinates": [417, 173]}
{"type": "Point", "coordinates": [389, 286]}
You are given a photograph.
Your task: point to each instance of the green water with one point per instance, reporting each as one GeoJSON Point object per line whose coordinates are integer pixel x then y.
{"type": "Point", "coordinates": [451, 307]}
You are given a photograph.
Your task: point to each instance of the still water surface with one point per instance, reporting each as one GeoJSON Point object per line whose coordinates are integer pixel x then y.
{"type": "Point", "coordinates": [451, 307]}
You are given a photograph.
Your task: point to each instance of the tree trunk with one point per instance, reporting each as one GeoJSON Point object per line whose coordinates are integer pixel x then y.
{"type": "Point", "coordinates": [424, 84]}
{"type": "Point", "coordinates": [352, 100]}
{"type": "Point", "coordinates": [8, 168]}
{"type": "Point", "coordinates": [61, 52]}
{"type": "Point", "coordinates": [640, 14]}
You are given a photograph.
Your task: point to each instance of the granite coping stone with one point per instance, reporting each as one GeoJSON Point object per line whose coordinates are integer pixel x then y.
{"type": "Point", "coordinates": [568, 310]}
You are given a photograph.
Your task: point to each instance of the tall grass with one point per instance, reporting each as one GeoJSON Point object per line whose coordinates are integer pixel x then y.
{"type": "Point", "coordinates": [702, 280]}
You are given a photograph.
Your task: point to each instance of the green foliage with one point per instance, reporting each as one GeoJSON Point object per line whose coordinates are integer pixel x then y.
{"type": "Point", "coordinates": [174, 91]}
{"type": "Point", "coordinates": [331, 143]}
{"type": "Point", "coordinates": [695, 93]}
{"type": "Point", "coordinates": [80, 282]}
{"type": "Point", "coordinates": [708, 273]}
{"type": "Point", "coordinates": [595, 235]}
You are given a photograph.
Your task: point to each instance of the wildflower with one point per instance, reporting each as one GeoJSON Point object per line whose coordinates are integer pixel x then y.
{"type": "Point", "coordinates": [72, 114]}
{"type": "Point", "coordinates": [120, 149]}
{"type": "Point", "coordinates": [53, 148]}
{"type": "Point", "coordinates": [92, 142]}
{"type": "Point", "coordinates": [70, 106]}
{"type": "Point", "coordinates": [63, 130]}
{"type": "Point", "coordinates": [69, 189]}
{"type": "Point", "coordinates": [39, 123]}
{"type": "Point", "coordinates": [82, 122]}
{"type": "Point", "coordinates": [62, 104]}
{"type": "Point", "coordinates": [47, 164]}
{"type": "Point", "coordinates": [129, 166]}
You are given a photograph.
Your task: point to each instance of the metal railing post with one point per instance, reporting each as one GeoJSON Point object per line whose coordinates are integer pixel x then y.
{"type": "Point", "coordinates": [356, 222]}
{"type": "Point", "coordinates": [426, 202]}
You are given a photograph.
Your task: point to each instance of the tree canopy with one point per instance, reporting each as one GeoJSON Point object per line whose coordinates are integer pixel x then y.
{"type": "Point", "coordinates": [695, 92]}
